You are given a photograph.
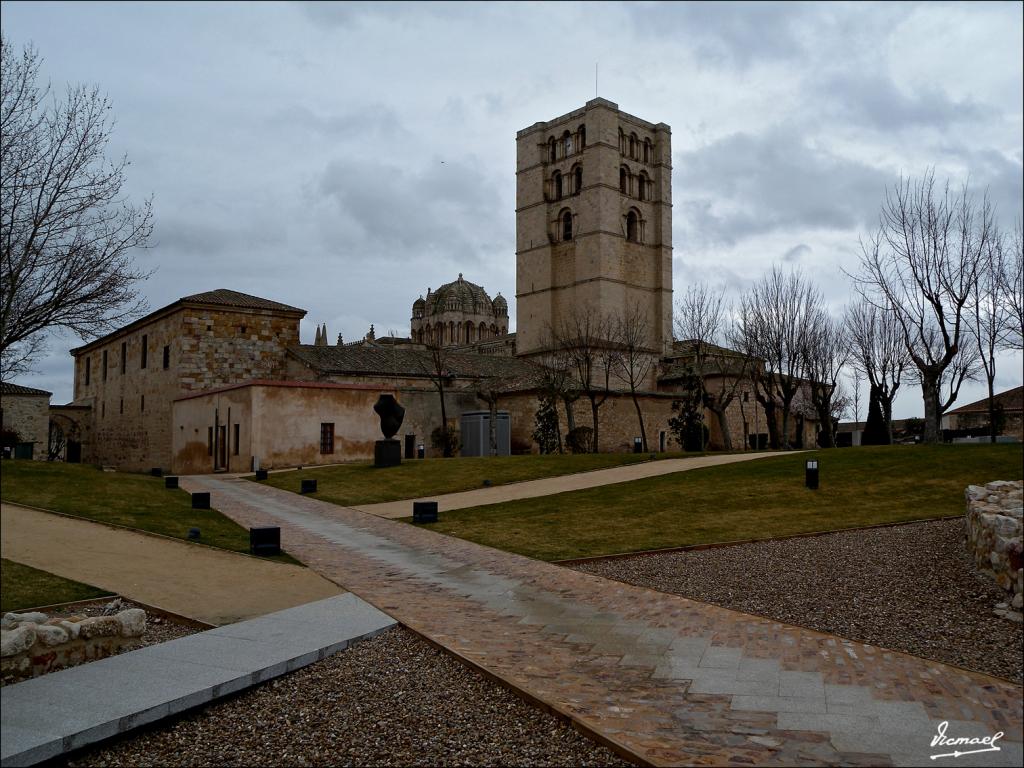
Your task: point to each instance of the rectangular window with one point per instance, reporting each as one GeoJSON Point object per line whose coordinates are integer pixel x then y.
{"type": "Point", "coordinates": [142, 403]}
{"type": "Point", "coordinates": [103, 374]}
{"type": "Point", "coordinates": [327, 438]}
{"type": "Point", "coordinates": [209, 441]}
{"type": "Point", "coordinates": [236, 440]}
{"type": "Point", "coordinates": [122, 405]}
{"type": "Point", "coordinates": [124, 357]}
{"type": "Point", "coordinates": [145, 350]}
{"type": "Point", "coordinates": [88, 369]}
{"type": "Point", "coordinates": [167, 357]}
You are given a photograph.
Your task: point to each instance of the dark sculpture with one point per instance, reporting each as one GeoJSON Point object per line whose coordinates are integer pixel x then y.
{"type": "Point", "coordinates": [391, 415]}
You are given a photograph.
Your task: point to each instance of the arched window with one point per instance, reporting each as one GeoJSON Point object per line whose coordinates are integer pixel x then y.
{"type": "Point", "coordinates": [583, 136]}
{"type": "Point", "coordinates": [567, 225]}
{"type": "Point", "coordinates": [624, 180]}
{"type": "Point", "coordinates": [578, 179]}
{"type": "Point", "coordinates": [494, 330]}
{"type": "Point", "coordinates": [556, 185]}
{"type": "Point", "coordinates": [622, 142]}
{"type": "Point", "coordinates": [641, 186]}
{"type": "Point", "coordinates": [482, 332]}
{"type": "Point", "coordinates": [551, 150]}
{"type": "Point", "coordinates": [647, 150]}
{"type": "Point", "coordinates": [632, 227]}
{"type": "Point", "coordinates": [503, 331]}
{"type": "Point", "coordinates": [566, 144]}
{"type": "Point", "coordinates": [469, 333]}
{"type": "Point", "coordinates": [452, 338]}
{"type": "Point", "coordinates": [632, 145]}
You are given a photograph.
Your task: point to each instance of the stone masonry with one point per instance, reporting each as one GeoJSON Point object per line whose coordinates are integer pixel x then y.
{"type": "Point", "coordinates": [994, 538]}
{"type": "Point", "coordinates": [26, 411]}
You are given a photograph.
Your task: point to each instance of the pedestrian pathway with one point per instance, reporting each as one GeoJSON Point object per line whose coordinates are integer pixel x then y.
{"type": "Point", "coordinates": [211, 585]}
{"type": "Point", "coordinates": [56, 713]}
{"type": "Point", "coordinates": [548, 486]}
{"type": "Point", "coordinates": [669, 680]}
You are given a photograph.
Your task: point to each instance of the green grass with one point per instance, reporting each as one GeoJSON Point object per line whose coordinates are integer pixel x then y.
{"type": "Point", "coordinates": [750, 500]}
{"type": "Point", "coordinates": [119, 498]}
{"type": "Point", "coordinates": [356, 484]}
{"type": "Point", "coordinates": [24, 587]}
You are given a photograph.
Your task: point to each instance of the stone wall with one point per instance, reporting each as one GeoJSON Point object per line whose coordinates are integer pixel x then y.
{"type": "Point", "coordinates": [32, 644]}
{"type": "Point", "coordinates": [994, 538]}
{"type": "Point", "coordinates": [29, 416]}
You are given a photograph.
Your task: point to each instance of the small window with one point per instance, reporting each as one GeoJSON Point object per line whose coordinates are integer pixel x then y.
{"type": "Point", "coordinates": [647, 150]}
{"type": "Point", "coordinates": [578, 180]}
{"type": "Point", "coordinates": [124, 357]}
{"type": "Point", "coordinates": [209, 441]}
{"type": "Point", "coordinates": [567, 226]}
{"type": "Point", "coordinates": [641, 187]}
{"type": "Point", "coordinates": [632, 146]}
{"type": "Point", "coordinates": [236, 439]}
{"type": "Point", "coordinates": [556, 185]}
{"type": "Point", "coordinates": [631, 227]}
{"type": "Point", "coordinates": [327, 438]}
{"type": "Point", "coordinates": [167, 357]}
{"type": "Point", "coordinates": [244, 329]}
{"type": "Point", "coordinates": [551, 149]}
{"type": "Point", "coordinates": [623, 181]}
{"type": "Point", "coordinates": [122, 405]}
{"type": "Point", "coordinates": [145, 350]}
{"type": "Point", "coordinates": [103, 373]}
{"type": "Point", "coordinates": [103, 408]}
{"type": "Point", "coordinates": [566, 144]}
{"type": "Point", "coordinates": [746, 397]}
{"type": "Point", "coordinates": [142, 403]}
{"type": "Point", "coordinates": [88, 369]}
{"type": "Point", "coordinates": [583, 136]}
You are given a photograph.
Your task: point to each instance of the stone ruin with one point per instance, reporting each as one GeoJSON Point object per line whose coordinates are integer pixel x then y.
{"type": "Point", "coordinates": [993, 522]}
{"type": "Point", "coordinates": [33, 644]}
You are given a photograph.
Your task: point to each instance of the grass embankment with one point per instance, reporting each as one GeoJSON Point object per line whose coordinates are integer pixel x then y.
{"type": "Point", "coordinates": [356, 484]}
{"type": "Point", "coordinates": [759, 499]}
{"type": "Point", "coordinates": [24, 587]}
{"type": "Point", "coordinates": [119, 498]}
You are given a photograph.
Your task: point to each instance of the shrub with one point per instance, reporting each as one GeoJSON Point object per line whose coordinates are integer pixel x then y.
{"type": "Point", "coordinates": [437, 440]}
{"type": "Point", "coordinates": [580, 440]}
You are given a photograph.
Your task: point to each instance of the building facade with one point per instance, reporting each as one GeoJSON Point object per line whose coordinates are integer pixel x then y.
{"type": "Point", "coordinates": [593, 224]}
{"type": "Point", "coordinates": [24, 415]}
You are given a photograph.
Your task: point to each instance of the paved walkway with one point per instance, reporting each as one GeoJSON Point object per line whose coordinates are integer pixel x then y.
{"type": "Point", "coordinates": [211, 585]}
{"type": "Point", "coordinates": [548, 486]}
{"type": "Point", "coordinates": [62, 711]}
{"type": "Point", "coordinates": [671, 680]}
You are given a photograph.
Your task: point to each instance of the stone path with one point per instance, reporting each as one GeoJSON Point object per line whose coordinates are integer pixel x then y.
{"type": "Point", "coordinates": [212, 585]}
{"type": "Point", "coordinates": [666, 679]}
{"type": "Point", "coordinates": [62, 711]}
{"type": "Point", "coordinates": [548, 486]}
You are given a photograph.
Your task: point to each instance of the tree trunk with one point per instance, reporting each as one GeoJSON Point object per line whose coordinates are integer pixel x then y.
{"type": "Point", "coordinates": [447, 450]}
{"type": "Point", "coordinates": [640, 418]}
{"type": "Point", "coordinates": [770, 422]}
{"type": "Point", "coordinates": [991, 409]}
{"type": "Point", "coordinates": [593, 412]}
{"type": "Point", "coordinates": [826, 435]}
{"type": "Point", "coordinates": [886, 403]}
{"type": "Point", "coordinates": [785, 427]}
{"type": "Point", "coordinates": [493, 403]}
{"type": "Point", "coordinates": [930, 392]}
{"type": "Point", "coordinates": [723, 427]}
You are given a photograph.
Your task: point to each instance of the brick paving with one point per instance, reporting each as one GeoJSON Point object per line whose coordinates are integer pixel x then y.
{"type": "Point", "coordinates": [669, 680]}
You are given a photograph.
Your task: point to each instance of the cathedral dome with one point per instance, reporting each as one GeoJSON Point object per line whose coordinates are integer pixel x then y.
{"type": "Point", "coordinates": [500, 305]}
{"type": "Point", "coordinates": [459, 296]}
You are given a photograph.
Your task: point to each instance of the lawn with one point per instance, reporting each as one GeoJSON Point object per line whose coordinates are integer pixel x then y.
{"type": "Point", "coordinates": [23, 587]}
{"type": "Point", "coordinates": [760, 499]}
{"type": "Point", "coordinates": [120, 498]}
{"type": "Point", "coordinates": [356, 484]}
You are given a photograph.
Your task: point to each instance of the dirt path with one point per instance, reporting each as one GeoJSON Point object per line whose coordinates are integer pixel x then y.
{"type": "Point", "coordinates": [203, 583]}
{"type": "Point", "coordinates": [547, 486]}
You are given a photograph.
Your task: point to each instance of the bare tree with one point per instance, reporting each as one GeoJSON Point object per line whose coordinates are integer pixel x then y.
{"type": "Point", "coordinates": [825, 354]}
{"type": "Point", "coordinates": [702, 319]}
{"type": "Point", "coordinates": [585, 339]}
{"type": "Point", "coordinates": [990, 317]}
{"type": "Point", "coordinates": [66, 230]}
{"type": "Point", "coordinates": [774, 321]}
{"type": "Point", "coordinates": [435, 366]}
{"type": "Point", "coordinates": [877, 351]}
{"type": "Point", "coordinates": [1011, 281]}
{"type": "Point", "coordinates": [921, 265]}
{"type": "Point", "coordinates": [636, 359]}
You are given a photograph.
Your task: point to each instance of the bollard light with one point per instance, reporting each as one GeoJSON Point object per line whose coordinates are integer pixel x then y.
{"type": "Point", "coordinates": [193, 533]}
{"type": "Point", "coordinates": [261, 474]}
{"type": "Point", "coordinates": [638, 445]}
{"type": "Point", "coordinates": [265, 540]}
{"type": "Point", "coordinates": [811, 474]}
{"type": "Point", "coordinates": [309, 486]}
{"type": "Point", "coordinates": [171, 481]}
{"type": "Point", "coordinates": [420, 451]}
{"type": "Point", "coordinates": [201, 500]}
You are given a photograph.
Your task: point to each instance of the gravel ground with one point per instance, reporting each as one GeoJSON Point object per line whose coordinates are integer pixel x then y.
{"type": "Point", "coordinates": [910, 588]}
{"type": "Point", "coordinates": [159, 629]}
{"type": "Point", "coordinates": [391, 700]}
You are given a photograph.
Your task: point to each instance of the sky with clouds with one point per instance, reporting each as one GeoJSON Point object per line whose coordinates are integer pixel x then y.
{"type": "Point", "coordinates": [344, 157]}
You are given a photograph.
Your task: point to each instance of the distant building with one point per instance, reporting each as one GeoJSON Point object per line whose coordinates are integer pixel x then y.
{"type": "Point", "coordinates": [25, 411]}
{"type": "Point", "coordinates": [973, 417]}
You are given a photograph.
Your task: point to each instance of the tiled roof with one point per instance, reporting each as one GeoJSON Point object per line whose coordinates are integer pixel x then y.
{"type": "Point", "coordinates": [369, 359]}
{"type": "Point", "coordinates": [224, 297]}
{"type": "Point", "coordinates": [7, 388]}
{"type": "Point", "coordinates": [1011, 400]}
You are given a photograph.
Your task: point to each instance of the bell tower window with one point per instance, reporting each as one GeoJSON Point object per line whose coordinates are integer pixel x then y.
{"type": "Point", "coordinates": [578, 179]}
{"type": "Point", "coordinates": [556, 185]}
{"type": "Point", "coordinates": [632, 227]}
{"type": "Point", "coordinates": [567, 226]}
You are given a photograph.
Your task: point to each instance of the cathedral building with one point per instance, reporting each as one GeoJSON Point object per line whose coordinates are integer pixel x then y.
{"type": "Point", "coordinates": [220, 381]}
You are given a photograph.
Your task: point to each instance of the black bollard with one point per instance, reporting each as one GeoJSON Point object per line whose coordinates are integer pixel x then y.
{"type": "Point", "coordinates": [265, 540]}
{"type": "Point", "coordinates": [201, 500]}
{"type": "Point", "coordinates": [309, 486]}
{"type": "Point", "coordinates": [171, 481]}
{"type": "Point", "coordinates": [424, 511]}
{"type": "Point", "coordinates": [261, 474]}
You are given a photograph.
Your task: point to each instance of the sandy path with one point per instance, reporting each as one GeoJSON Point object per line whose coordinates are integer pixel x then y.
{"type": "Point", "coordinates": [203, 583]}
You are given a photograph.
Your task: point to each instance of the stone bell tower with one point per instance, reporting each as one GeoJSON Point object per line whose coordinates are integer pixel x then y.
{"type": "Point", "coordinates": [593, 222]}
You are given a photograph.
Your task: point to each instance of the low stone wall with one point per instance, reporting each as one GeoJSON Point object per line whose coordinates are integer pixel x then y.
{"type": "Point", "coordinates": [33, 644]}
{"type": "Point", "coordinates": [994, 538]}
